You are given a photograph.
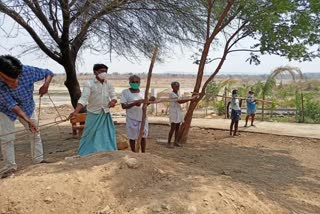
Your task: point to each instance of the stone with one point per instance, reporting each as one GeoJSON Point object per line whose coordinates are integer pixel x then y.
{"type": "Point", "coordinates": [122, 142]}
{"type": "Point", "coordinates": [157, 208]}
{"type": "Point", "coordinates": [105, 210]}
{"type": "Point", "coordinates": [191, 209]}
{"type": "Point", "coordinates": [132, 163]}
{"type": "Point", "coordinates": [165, 206]}
{"type": "Point", "coordinates": [48, 200]}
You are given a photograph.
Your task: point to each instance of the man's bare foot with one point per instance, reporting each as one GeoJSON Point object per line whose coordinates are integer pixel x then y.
{"type": "Point", "coordinates": [177, 144]}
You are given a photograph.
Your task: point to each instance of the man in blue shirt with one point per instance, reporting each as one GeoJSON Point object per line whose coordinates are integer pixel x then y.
{"type": "Point", "coordinates": [16, 102]}
{"type": "Point", "coordinates": [251, 108]}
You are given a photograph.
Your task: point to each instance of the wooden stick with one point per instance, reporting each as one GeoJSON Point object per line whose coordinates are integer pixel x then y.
{"type": "Point", "coordinates": [163, 100]}
{"type": "Point", "coordinates": [42, 125]}
{"type": "Point", "coordinates": [144, 107]}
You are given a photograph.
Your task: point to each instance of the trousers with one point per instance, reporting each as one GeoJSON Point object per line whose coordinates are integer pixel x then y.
{"type": "Point", "coordinates": [7, 141]}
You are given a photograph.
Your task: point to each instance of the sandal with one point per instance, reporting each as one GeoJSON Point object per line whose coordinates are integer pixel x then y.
{"type": "Point", "coordinates": [9, 173]}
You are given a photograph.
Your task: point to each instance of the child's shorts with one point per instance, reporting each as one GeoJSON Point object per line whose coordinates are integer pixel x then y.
{"type": "Point", "coordinates": [235, 115]}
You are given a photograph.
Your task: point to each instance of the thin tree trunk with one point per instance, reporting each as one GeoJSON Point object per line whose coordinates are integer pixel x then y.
{"type": "Point", "coordinates": [185, 127]}
{"type": "Point", "coordinates": [144, 107]}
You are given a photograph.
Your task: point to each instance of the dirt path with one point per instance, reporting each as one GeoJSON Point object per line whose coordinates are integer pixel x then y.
{"type": "Point", "coordinates": [285, 129]}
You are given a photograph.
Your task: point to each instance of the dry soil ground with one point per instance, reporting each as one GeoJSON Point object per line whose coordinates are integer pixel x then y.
{"type": "Point", "coordinates": [212, 173]}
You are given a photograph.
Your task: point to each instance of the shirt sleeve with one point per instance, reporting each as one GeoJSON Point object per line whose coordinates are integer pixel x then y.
{"type": "Point", "coordinates": [123, 98]}
{"type": "Point", "coordinates": [85, 94]}
{"type": "Point", "coordinates": [8, 101]}
{"type": "Point", "coordinates": [37, 73]}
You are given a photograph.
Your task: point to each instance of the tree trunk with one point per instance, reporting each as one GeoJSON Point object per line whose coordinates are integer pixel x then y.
{"type": "Point", "coordinates": [72, 83]}
{"type": "Point", "coordinates": [185, 127]}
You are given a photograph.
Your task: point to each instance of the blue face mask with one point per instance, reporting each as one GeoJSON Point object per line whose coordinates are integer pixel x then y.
{"type": "Point", "coordinates": [134, 85]}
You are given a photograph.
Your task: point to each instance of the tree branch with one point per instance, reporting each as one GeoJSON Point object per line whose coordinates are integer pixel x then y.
{"type": "Point", "coordinates": [79, 39]}
{"type": "Point", "coordinates": [207, 45]}
{"type": "Point", "coordinates": [243, 50]}
{"type": "Point", "coordinates": [53, 16]}
{"type": "Point", "coordinates": [37, 10]}
{"type": "Point", "coordinates": [223, 58]}
{"type": "Point", "coordinates": [210, 5]}
{"type": "Point", "coordinates": [15, 16]}
{"type": "Point", "coordinates": [218, 27]}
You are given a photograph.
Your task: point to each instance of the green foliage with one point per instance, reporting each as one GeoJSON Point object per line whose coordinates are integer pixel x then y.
{"type": "Point", "coordinates": [243, 90]}
{"type": "Point", "coordinates": [311, 109]}
{"type": "Point", "coordinates": [219, 107]}
{"type": "Point", "coordinates": [285, 91]}
{"type": "Point", "coordinates": [212, 89]}
{"type": "Point", "coordinates": [215, 87]}
{"type": "Point", "coordinates": [258, 88]}
{"type": "Point", "coordinates": [285, 27]}
{"type": "Point", "coordinates": [268, 86]}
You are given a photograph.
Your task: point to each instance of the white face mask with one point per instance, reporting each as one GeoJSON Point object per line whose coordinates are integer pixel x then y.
{"type": "Point", "coordinates": [102, 76]}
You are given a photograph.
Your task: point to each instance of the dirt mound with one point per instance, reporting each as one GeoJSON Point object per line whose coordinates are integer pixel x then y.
{"type": "Point", "coordinates": [125, 182]}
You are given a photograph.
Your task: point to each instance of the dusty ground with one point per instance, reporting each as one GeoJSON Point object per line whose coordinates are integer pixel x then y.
{"type": "Point", "coordinates": [213, 173]}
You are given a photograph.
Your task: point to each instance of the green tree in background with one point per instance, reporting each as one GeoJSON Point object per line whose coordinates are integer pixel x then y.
{"type": "Point", "coordinates": [282, 27]}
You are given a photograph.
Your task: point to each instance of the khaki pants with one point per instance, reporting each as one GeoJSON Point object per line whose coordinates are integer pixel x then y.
{"type": "Point", "coordinates": [7, 142]}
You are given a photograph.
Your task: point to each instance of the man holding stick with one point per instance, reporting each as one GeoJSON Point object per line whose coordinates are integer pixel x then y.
{"type": "Point", "coordinates": [132, 100]}
{"type": "Point", "coordinates": [16, 102]}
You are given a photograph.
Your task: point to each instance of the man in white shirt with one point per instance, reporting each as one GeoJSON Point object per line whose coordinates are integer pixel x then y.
{"type": "Point", "coordinates": [131, 100]}
{"type": "Point", "coordinates": [99, 96]}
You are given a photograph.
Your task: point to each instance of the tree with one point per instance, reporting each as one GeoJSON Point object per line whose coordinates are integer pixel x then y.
{"type": "Point", "coordinates": [62, 28]}
{"type": "Point", "coordinates": [281, 27]}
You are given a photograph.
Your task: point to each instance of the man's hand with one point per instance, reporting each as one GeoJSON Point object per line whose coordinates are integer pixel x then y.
{"type": "Point", "coordinates": [112, 103]}
{"type": "Point", "coordinates": [32, 127]}
{"type": "Point", "coordinates": [43, 90]}
{"type": "Point", "coordinates": [139, 102]}
{"type": "Point", "coordinates": [152, 99]}
{"type": "Point", "coordinates": [72, 115]}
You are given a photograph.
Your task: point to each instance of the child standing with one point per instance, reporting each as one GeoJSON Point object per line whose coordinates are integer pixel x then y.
{"type": "Point", "coordinates": [176, 115]}
{"type": "Point", "coordinates": [235, 112]}
{"type": "Point", "coordinates": [251, 108]}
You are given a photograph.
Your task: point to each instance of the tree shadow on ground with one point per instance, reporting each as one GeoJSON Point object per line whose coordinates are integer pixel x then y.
{"type": "Point", "coordinates": [272, 171]}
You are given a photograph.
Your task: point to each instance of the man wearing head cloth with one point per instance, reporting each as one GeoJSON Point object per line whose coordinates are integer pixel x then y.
{"type": "Point", "coordinates": [16, 103]}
